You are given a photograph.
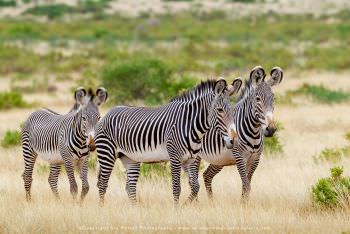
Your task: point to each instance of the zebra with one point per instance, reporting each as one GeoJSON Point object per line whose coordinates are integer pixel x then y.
{"type": "Point", "coordinates": [171, 132]}
{"type": "Point", "coordinates": [62, 139]}
{"type": "Point", "coordinates": [253, 119]}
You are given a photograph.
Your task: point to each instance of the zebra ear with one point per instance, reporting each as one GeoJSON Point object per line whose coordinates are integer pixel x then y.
{"type": "Point", "coordinates": [235, 86]}
{"type": "Point", "coordinates": [79, 95]}
{"type": "Point", "coordinates": [220, 86]}
{"type": "Point", "coordinates": [276, 76]}
{"type": "Point", "coordinates": [101, 96]}
{"type": "Point", "coordinates": [257, 75]}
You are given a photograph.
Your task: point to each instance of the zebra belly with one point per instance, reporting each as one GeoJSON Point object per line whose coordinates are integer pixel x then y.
{"type": "Point", "coordinates": [51, 157]}
{"type": "Point", "coordinates": [223, 159]}
{"type": "Point", "coordinates": [54, 157]}
{"type": "Point", "coordinates": [156, 155]}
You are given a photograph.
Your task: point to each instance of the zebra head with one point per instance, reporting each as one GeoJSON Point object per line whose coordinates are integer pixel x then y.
{"type": "Point", "coordinates": [263, 98]}
{"type": "Point", "coordinates": [90, 115]}
{"type": "Point", "coordinates": [223, 113]}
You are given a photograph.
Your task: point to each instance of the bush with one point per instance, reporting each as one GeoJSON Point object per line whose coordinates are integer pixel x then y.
{"type": "Point", "coordinates": [273, 145]}
{"type": "Point", "coordinates": [332, 155]}
{"type": "Point", "coordinates": [51, 11]}
{"type": "Point", "coordinates": [332, 192]}
{"type": "Point", "coordinates": [155, 170]}
{"type": "Point", "coordinates": [145, 79]}
{"type": "Point", "coordinates": [14, 59]}
{"type": "Point", "coordinates": [11, 138]}
{"type": "Point", "coordinates": [11, 100]}
{"type": "Point", "coordinates": [7, 3]}
{"type": "Point", "coordinates": [319, 93]}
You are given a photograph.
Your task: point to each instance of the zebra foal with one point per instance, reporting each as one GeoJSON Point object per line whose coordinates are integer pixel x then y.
{"type": "Point", "coordinates": [62, 139]}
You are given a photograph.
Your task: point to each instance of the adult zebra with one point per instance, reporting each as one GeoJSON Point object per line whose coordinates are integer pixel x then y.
{"type": "Point", "coordinates": [253, 118]}
{"type": "Point", "coordinates": [171, 132]}
{"type": "Point", "coordinates": [62, 139]}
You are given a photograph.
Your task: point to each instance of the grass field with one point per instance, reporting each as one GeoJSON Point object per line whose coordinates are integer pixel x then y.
{"type": "Point", "coordinates": [46, 52]}
{"type": "Point", "coordinates": [280, 198]}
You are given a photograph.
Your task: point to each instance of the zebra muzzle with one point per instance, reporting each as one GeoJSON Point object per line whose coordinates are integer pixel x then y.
{"type": "Point", "coordinates": [92, 145]}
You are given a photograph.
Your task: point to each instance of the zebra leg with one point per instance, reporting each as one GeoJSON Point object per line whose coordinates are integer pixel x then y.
{"type": "Point", "coordinates": [29, 161]}
{"type": "Point", "coordinates": [251, 168]}
{"type": "Point", "coordinates": [106, 159]}
{"type": "Point", "coordinates": [242, 169]}
{"type": "Point", "coordinates": [175, 166]}
{"type": "Point", "coordinates": [132, 172]}
{"type": "Point", "coordinates": [55, 170]}
{"type": "Point", "coordinates": [208, 176]}
{"type": "Point", "coordinates": [193, 178]}
{"type": "Point", "coordinates": [83, 168]}
{"type": "Point", "coordinates": [68, 163]}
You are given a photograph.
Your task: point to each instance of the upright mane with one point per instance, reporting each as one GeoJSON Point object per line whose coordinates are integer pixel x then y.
{"type": "Point", "coordinates": [245, 91]}
{"type": "Point", "coordinates": [203, 88]}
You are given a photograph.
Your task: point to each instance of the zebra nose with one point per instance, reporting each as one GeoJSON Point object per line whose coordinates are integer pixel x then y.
{"type": "Point", "coordinates": [233, 132]}
{"type": "Point", "coordinates": [92, 146]}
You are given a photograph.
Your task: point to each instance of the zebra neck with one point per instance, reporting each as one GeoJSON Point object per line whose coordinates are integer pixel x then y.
{"type": "Point", "coordinates": [77, 131]}
{"type": "Point", "coordinates": [247, 121]}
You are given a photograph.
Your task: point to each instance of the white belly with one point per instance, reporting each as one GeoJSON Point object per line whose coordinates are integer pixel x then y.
{"type": "Point", "coordinates": [223, 159]}
{"type": "Point", "coordinates": [156, 155]}
{"type": "Point", "coordinates": [54, 157]}
{"type": "Point", "coordinates": [51, 157]}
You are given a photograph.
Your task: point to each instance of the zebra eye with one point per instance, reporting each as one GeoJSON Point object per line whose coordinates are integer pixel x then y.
{"type": "Point", "coordinates": [220, 110]}
{"type": "Point", "coordinates": [258, 99]}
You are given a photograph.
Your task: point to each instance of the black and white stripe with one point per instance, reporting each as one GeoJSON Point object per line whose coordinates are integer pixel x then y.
{"type": "Point", "coordinates": [62, 139]}
{"type": "Point", "coordinates": [253, 118]}
{"type": "Point", "coordinates": [172, 132]}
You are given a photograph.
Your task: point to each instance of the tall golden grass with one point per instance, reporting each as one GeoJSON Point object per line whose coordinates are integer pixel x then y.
{"type": "Point", "coordinates": [279, 202]}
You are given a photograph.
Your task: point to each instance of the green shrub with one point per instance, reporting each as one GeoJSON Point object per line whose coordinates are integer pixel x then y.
{"type": "Point", "coordinates": [347, 136]}
{"type": "Point", "coordinates": [273, 145]}
{"type": "Point", "coordinates": [11, 100]}
{"type": "Point", "coordinates": [147, 79]}
{"type": "Point", "coordinates": [155, 170]}
{"type": "Point", "coordinates": [243, 1]}
{"type": "Point", "coordinates": [43, 169]}
{"type": "Point", "coordinates": [14, 59]}
{"type": "Point", "coordinates": [11, 138]}
{"type": "Point", "coordinates": [332, 155]}
{"type": "Point", "coordinates": [332, 192]}
{"type": "Point", "coordinates": [7, 3]}
{"type": "Point", "coordinates": [92, 164]}
{"type": "Point", "coordinates": [321, 94]}
{"type": "Point", "coordinates": [52, 11]}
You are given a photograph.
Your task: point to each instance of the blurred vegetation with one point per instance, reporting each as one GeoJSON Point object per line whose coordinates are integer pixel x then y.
{"type": "Point", "coordinates": [178, 49]}
{"type": "Point", "coordinates": [11, 138]}
{"type": "Point", "coordinates": [155, 170]}
{"type": "Point", "coordinates": [332, 192]}
{"type": "Point", "coordinates": [51, 11]}
{"type": "Point", "coordinates": [273, 145]}
{"type": "Point", "coordinates": [320, 93]}
{"type": "Point", "coordinates": [333, 155]}
{"type": "Point", "coordinates": [317, 93]}
{"type": "Point", "coordinates": [10, 100]}
{"type": "Point", "coordinates": [146, 79]}
{"type": "Point", "coordinates": [7, 3]}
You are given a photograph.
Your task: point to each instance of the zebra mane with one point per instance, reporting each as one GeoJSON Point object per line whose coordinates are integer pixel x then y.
{"type": "Point", "coordinates": [204, 87]}
{"type": "Point", "coordinates": [90, 94]}
{"type": "Point", "coordinates": [248, 85]}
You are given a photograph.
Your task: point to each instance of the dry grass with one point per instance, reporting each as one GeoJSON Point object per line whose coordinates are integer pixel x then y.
{"type": "Point", "coordinates": [280, 197]}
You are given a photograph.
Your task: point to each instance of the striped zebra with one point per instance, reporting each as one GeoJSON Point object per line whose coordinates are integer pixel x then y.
{"type": "Point", "coordinates": [62, 139]}
{"type": "Point", "coordinates": [253, 119]}
{"type": "Point", "coordinates": [171, 132]}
